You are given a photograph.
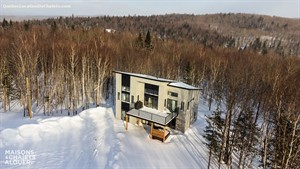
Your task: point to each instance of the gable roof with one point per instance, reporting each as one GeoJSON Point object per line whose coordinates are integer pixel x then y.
{"type": "Point", "coordinates": [171, 83]}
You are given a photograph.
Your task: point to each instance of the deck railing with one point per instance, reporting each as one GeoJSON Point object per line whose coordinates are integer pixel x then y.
{"type": "Point", "coordinates": [154, 117]}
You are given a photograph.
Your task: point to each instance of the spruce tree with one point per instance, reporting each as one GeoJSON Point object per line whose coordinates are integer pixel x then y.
{"type": "Point", "coordinates": [148, 43]}
{"type": "Point", "coordinates": [256, 45]}
{"type": "Point", "coordinates": [53, 26]}
{"type": "Point", "coordinates": [246, 136]}
{"type": "Point", "coordinates": [139, 44]}
{"type": "Point", "coordinates": [5, 23]}
{"type": "Point", "coordinates": [187, 73]}
{"type": "Point", "coordinates": [213, 134]}
{"type": "Point", "coordinates": [10, 23]}
{"type": "Point", "coordinates": [264, 49]}
{"type": "Point", "coordinates": [26, 25]}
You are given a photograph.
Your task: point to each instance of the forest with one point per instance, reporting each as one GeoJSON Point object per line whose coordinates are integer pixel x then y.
{"type": "Point", "coordinates": [48, 64]}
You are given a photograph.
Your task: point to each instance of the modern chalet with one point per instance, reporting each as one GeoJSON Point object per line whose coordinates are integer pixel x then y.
{"type": "Point", "coordinates": [162, 103]}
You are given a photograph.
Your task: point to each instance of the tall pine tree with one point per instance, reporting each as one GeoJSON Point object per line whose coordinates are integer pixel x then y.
{"type": "Point", "coordinates": [246, 137]}
{"type": "Point", "coordinates": [187, 77]}
{"type": "Point", "coordinates": [139, 44]}
{"type": "Point", "coordinates": [5, 23]}
{"type": "Point", "coordinates": [148, 42]}
{"type": "Point", "coordinates": [213, 134]}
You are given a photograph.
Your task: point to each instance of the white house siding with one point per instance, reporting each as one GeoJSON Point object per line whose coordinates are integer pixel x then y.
{"type": "Point", "coordinates": [118, 91]}
{"type": "Point", "coordinates": [137, 87]}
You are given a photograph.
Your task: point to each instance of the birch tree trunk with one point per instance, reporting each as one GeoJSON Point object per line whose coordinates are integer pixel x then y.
{"type": "Point", "coordinates": [83, 93]}
{"type": "Point", "coordinates": [74, 93]}
{"type": "Point", "coordinates": [37, 90]}
{"type": "Point", "coordinates": [4, 98]}
{"type": "Point", "coordinates": [28, 94]}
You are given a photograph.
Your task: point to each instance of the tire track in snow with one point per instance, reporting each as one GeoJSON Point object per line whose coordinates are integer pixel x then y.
{"type": "Point", "coordinates": [192, 150]}
{"type": "Point", "coordinates": [115, 149]}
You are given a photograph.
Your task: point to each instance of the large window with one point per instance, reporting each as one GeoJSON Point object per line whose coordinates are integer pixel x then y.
{"type": "Point", "coordinates": [151, 101]}
{"type": "Point", "coordinates": [151, 96]}
{"type": "Point", "coordinates": [125, 97]}
{"type": "Point", "coordinates": [151, 89]}
{"type": "Point", "coordinates": [172, 105]}
{"type": "Point", "coordinates": [125, 80]}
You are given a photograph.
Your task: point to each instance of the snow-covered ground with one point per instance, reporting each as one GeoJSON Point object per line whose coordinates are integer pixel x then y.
{"type": "Point", "coordinates": [94, 139]}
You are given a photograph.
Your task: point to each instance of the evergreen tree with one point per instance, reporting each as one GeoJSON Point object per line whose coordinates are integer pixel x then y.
{"type": "Point", "coordinates": [279, 49]}
{"type": "Point", "coordinates": [139, 42]}
{"type": "Point", "coordinates": [148, 42]}
{"type": "Point", "coordinates": [264, 49]}
{"type": "Point", "coordinates": [213, 134]}
{"type": "Point", "coordinates": [53, 26]}
{"type": "Point", "coordinates": [187, 73]}
{"type": "Point", "coordinates": [5, 23]}
{"type": "Point", "coordinates": [256, 45]}
{"type": "Point", "coordinates": [10, 23]}
{"type": "Point", "coordinates": [246, 136]}
{"type": "Point", "coordinates": [26, 25]}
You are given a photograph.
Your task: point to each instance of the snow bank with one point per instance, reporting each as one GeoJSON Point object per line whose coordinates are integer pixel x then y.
{"type": "Point", "coordinates": [82, 141]}
{"type": "Point", "coordinates": [94, 139]}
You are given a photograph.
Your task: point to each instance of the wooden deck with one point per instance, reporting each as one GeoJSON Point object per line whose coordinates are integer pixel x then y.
{"type": "Point", "coordinates": [156, 132]}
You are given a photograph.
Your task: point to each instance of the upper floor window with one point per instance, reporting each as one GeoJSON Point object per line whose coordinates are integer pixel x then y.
{"type": "Point", "coordinates": [151, 89]}
{"type": "Point", "coordinates": [125, 80]}
{"type": "Point", "coordinates": [173, 94]}
{"type": "Point", "coordinates": [125, 96]}
{"type": "Point", "coordinates": [151, 96]}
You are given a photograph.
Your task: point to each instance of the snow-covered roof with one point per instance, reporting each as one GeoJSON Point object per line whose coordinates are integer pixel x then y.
{"type": "Point", "coordinates": [145, 76]}
{"type": "Point", "coordinates": [172, 83]}
{"type": "Point", "coordinates": [183, 85]}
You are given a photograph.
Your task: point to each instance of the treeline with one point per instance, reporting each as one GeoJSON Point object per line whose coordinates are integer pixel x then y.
{"type": "Point", "coordinates": [68, 69]}
{"type": "Point", "coordinates": [259, 33]}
